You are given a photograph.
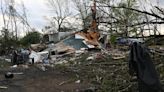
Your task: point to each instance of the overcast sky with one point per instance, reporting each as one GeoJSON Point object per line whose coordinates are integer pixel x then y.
{"type": "Point", "coordinates": [38, 9]}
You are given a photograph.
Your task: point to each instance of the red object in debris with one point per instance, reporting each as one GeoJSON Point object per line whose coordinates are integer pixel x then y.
{"type": "Point", "coordinates": [99, 56]}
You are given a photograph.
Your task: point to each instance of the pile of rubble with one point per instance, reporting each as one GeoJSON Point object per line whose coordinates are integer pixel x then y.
{"type": "Point", "coordinates": [85, 55]}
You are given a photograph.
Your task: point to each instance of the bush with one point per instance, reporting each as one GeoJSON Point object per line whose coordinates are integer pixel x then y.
{"type": "Point", "coordinates": [113, 39]}
{"type": "Point", "coordinates": [31, 38]}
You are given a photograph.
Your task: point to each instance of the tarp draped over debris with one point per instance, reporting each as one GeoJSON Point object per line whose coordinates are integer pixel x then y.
{"type": "Point", "coordinates": [75, 43]}
{"type": "Point", "coordinates": [140, 63]}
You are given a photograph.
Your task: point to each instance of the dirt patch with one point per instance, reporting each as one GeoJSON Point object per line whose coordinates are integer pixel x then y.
{"type": "Point", "coordinates": [35, 80]}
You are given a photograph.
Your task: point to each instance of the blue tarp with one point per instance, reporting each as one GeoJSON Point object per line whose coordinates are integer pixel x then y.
{"type": "Point", "coordinates": [75, 43]}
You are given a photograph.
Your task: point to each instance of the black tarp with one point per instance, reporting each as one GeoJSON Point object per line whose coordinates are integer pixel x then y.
{"type": "Point", "coordinates": [141, 64]}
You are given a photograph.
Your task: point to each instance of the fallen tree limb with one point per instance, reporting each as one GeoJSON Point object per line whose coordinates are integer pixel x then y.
{"type": "Point", "coordinates": [136, 10]}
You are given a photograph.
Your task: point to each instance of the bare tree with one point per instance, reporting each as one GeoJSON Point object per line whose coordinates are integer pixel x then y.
{"type": "Point", "coordinates": [24, 16]}
{"type": "Point", "coordinates": [143, 17]}
{"type": "Point", "coordinates": [3, 12]}
{"type": "Point", "coordinates": [84, 11]}
{"type": "Point", "coordinates": [61, 10]}
{"type": "Point", "coordinates": [11, 17]}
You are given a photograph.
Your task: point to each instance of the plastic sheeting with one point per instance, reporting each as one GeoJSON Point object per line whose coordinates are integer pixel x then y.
{"type": "Point", "coordinates": [35, 56]}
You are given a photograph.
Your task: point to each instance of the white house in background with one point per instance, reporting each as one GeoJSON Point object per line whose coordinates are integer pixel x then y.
{"type": "Point", "coordinates": [69, 22]}
{"type": "Point", "coordinates": [56, 37]}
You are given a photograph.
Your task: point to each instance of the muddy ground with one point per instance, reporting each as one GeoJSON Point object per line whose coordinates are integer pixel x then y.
{"type": "Point", "coordinates": [36, 80]}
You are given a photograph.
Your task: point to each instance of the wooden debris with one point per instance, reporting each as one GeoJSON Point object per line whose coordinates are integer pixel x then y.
{"type": "Point", "coordinates": [3, 87]}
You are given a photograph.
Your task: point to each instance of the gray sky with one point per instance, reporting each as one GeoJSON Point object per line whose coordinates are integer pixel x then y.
{"type": "Point", "coordinates": [38, 9]}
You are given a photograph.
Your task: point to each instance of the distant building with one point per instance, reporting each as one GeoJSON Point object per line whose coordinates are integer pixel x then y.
{"type": "Point", "coordinates": [56, 37]}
